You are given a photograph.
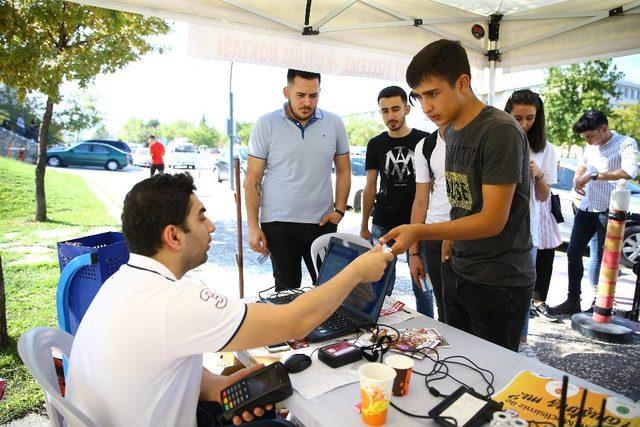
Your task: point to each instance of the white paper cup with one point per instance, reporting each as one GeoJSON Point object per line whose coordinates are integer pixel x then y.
{"type": "Point", "coordinates": [376, 381]}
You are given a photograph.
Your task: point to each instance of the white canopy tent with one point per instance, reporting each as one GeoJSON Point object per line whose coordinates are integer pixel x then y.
{"type": "Point", "coordinates": [377, 38]}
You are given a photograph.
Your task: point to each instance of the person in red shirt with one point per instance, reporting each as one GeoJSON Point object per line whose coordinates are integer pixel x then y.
{"type": "Point", "coordinates": [156, 150]}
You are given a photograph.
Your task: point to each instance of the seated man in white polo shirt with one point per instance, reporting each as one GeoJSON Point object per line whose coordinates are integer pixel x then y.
{"type": "Point", "coordinates": [137, 355]}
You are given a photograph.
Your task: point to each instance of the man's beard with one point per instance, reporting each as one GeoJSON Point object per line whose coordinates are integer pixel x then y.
{"type": "Point", "coordinates": [296, 116]}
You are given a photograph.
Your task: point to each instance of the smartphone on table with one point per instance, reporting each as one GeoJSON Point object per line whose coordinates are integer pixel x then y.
{"type": "Point", "coordinates": [278, 347]}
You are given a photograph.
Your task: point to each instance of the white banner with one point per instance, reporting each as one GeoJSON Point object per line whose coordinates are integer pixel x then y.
{"type": "Point", "coordinates": [242, 46]}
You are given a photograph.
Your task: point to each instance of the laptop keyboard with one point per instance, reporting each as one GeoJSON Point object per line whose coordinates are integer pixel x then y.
{"type": "Point", "coordinates": [339, 320]}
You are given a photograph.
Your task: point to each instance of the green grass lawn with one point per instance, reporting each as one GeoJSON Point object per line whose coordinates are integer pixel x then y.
{"type": "Point", "coordinates": [29, 259]}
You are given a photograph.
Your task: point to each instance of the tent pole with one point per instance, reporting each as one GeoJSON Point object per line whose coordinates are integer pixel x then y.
{"type": "Point", "coordinates": [231, 129]}
{"type": "Point", "coordinates": [493, 55]}
{"type": "Point", "coordinates": [492, 81]}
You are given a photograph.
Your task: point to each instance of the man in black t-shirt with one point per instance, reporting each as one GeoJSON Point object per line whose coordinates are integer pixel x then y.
{"type": "Point", "coordinates": [489, 277]}
{"type": "Point", "coordinates": [391, 154]}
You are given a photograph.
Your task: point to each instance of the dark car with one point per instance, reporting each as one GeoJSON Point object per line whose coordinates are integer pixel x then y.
{"type": "Point", "coordinates": [88, 154]}
{"type": "Point", "coordinates": [120, 145]}
{"type": "Point", "coordinates": [221, 168]}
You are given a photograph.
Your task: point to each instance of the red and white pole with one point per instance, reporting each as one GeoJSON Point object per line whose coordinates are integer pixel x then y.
{"type": "Point", "coordinates": [603, 310]}
{"type": "Point", "coordinates": [602, 324]}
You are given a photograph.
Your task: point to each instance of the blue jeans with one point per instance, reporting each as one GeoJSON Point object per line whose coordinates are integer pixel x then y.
{"type": "Point", "coordinates": [525, 329]}
{"type": "Point", "coordinates": [595, 257]}
{"type": "Point", "coordinates": [424, 299]}
{"type": "Point", "coordinates": [585, 225]}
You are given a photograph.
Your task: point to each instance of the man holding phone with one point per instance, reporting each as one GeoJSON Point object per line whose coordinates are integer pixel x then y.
{"type": "Point", "coordinates": [137, 355]}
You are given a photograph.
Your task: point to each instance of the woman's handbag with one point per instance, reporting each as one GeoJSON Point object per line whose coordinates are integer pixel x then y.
{"type": "Point", "coordinates": [556, 209]}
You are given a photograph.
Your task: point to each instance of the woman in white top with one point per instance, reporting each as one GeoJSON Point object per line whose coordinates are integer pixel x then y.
{"type": "Point", "coordinates": [527, 108]}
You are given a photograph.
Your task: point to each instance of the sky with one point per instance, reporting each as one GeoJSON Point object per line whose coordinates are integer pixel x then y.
{"type": "Point", "coordinates": [174, 86]}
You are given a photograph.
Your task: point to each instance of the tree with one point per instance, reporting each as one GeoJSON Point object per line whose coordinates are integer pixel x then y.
{"type": "Point", "coordinates": [134, 130]}
{"type": "Point", "coordinates": [243, 131]}
{"type": "Point", "coordinates": [572, 90]}
{"type": "Point", "coordinates": [80, 114]}
{"type": "Point", "coordinates": [45, 43]}
{"type": "Point", "coordinates": [205, 135]}
{"type": "Point", "coordinates": [101, 132]}
{"type": "Point", "coordinates": [626, 120]}
{"type": "Point", "coordinates": [360, 131]}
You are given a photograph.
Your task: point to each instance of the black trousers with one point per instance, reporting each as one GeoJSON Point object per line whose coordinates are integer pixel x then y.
{"type": "Point", "coordinates": [491, 313]}
{"type": "Point", "coordinates": [154, 168]}
{"type": "Point", "coordinates": [544, 268]}
{"type": "Point", "coordinates": [434, 269]}
{"type": "Point", "coordinates": [290, 243]}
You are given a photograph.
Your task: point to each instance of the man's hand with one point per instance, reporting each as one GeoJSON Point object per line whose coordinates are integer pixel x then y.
{"type": "Point", "coordinates": [257, 240]}
{"type": "Point", "coordinates": [404, 235]}
{"type": "Point", "coordinates": [579, 184]}
{"type": "Point", "coordinates": [246, 415]}
{"type": "Point", "coordinates": [365, 233]}
{"type": "Point", "coordinates": [446, 250]}
{"type": "Point", "coordinates": [370, 266]}
{"type": "Point", "coordinates": [333, 217]}
{"type": "Point", "coordinates": [416, 266]}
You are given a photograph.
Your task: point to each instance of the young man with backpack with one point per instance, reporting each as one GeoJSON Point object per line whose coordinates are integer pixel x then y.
{"type": "Point", "coordinates": [391, 155]}
{"type": "Point", "coordinates": [430, 205]}
{"type": "Point", "coordinates": [489, 277]}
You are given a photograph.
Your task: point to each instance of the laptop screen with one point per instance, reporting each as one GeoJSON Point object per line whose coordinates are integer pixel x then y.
{"type": "Point", "coordinates": [365, 299]}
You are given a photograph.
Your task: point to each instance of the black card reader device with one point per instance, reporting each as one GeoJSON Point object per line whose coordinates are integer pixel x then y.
{"type": "Point", "coordinates": [268, 385]}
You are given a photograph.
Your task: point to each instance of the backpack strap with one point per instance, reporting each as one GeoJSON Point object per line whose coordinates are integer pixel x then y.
{"type": "Point", "coordinates": [427, 149]}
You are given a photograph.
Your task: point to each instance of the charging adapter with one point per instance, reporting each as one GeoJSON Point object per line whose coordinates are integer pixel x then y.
{"type": "Point", "coordinates": [464, 408]}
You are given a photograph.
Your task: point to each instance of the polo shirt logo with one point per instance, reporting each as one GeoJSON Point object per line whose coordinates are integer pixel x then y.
{"type": "Point", "coordinates": [218, 301]}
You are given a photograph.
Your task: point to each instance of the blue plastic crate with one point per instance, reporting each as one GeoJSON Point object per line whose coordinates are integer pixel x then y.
{"type": "Point", "coordinates": [111, 251]}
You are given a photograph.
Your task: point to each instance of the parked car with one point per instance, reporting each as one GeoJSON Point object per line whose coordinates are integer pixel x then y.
{"type": "Point", "coordinates": [141, 157]}
{"type": "Point", "coordinates": [358, 181]}
{"type": "Point", "coordinates": [120, 145]}
{"type": "Point", "coordinates": [569, 199]}
{"type": "Point", "coordinates": [221, 167]}
{"type": "Point", "coordinates": [180, 153]}
{"type": "Point", "coordinates": [88, 154]}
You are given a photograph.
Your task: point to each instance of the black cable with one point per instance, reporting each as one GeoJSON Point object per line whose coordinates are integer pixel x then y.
{"type": "Point", "coordinates": [274, 296]}
{"type": "Point", "coordinates": [426, 417]}
{"type": "Point", "coordinates": [439, 371]}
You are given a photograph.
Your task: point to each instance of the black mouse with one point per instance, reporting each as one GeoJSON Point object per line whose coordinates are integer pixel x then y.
{"type": "Point", "coordinates": [297, 363]}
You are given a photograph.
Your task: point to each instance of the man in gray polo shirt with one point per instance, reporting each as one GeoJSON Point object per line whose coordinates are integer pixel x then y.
{"type": "Point", "coordinates": [288, 179]}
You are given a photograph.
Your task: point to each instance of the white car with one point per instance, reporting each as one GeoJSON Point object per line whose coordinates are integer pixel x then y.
{"type": "Point", "coordinates": [181, 154]}
{"type": "Point", "coordinates": [358, 181]}
{"type": "Point", "coordinates": [569, 199]}
{"type": "Point", "coordinates": [141, 157]}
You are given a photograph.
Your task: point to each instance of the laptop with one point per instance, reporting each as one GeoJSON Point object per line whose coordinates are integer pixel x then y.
{"type": "Point", "coordinates": [362, 306]}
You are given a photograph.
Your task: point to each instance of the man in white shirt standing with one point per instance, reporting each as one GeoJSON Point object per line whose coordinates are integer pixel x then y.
{"type": "Point", "coordinates": [137, 355]}
{"type": "Point", "coordinates": [430, 206]}
{"type": "Point", "coordinates": [608, 157]}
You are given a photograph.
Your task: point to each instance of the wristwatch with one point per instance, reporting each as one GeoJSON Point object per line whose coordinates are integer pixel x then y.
{"type": "Point", "coordinates": [339, 212]}
{"type": "Point", "coordinates": [594, 176]}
